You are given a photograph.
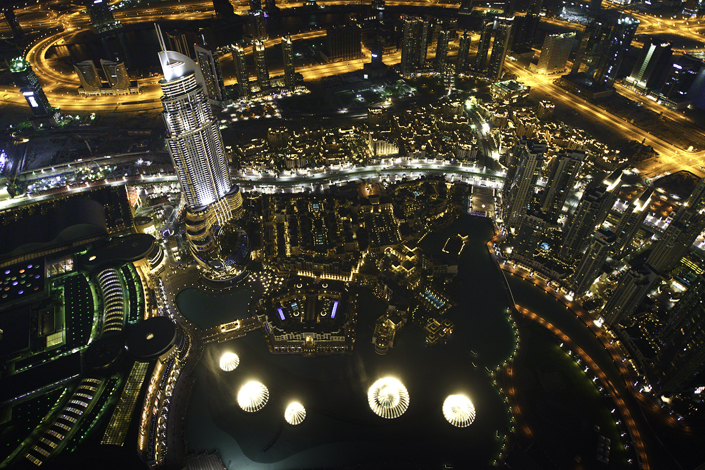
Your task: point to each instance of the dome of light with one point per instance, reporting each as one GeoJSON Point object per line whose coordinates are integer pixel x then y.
{"type": "Point", "coordinates": [388, 398]}
{"type": "Point", "coordinates": [459, 410]}
{"type": "Point", "coordinates": [229, 361]}
{"type": "Point", "coordinates": [252, 397]}
{"type": "Point", "coordinates": [295, 413]}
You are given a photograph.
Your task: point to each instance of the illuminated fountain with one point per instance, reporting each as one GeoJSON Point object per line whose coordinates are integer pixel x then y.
{"type": "Point", "coordinates": [295, 413]}
{"type": "Point", "coordinates": [252, 397]}
{"type": "Point", "coordinates": [459, 410]}
{"type": "Point", "coordinates": [388, 398]}
{"type": "Point", "coordinates": [229, 361]}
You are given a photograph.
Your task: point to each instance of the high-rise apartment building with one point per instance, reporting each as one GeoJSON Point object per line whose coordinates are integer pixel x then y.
{"type": "Point", "coordinates": [599, 249]}
{"type": "Point", "coordinates": [522, 174]}
{"type": "Point", "coordinates": [28, 83]}
{"type": "Point", "coordinates": [607, 40]}
{"type": "Point", "coordinates": [554, 53]}
{"type": "Point", "coordinates": [631, 291]}
{"type": "Point", "coordinates": [498, 34]}
{"type": "Point", "coordinates": [631, 220]}
{"type": "Point", "coordinates": [561, 179]}
{"type": "Point", "coordinates": [682, 341]}
{"type": "Point", "coordinates": [259, 52]}
{"type": "Point", "coordinates": [209, 64]}
{"type": "Point", "coordinates": [288, 57]}
{"type": "Point", "coordinates": [685, 226]}
{"type": "Point", "coordinates": [89, 77]}
{"type": "Point", "coordinates": [532, 226]}
{"type": "Point", "coordinates": [101, 16]}
{"type": "Point", "coordinates": [651, 66]}
{"type": "Point", "coordinates": [592, 210]}
{"type": "Point", "coordinates": [116, 74]}
{"type": "Point", "coordinates": [257, 25]}
{"type": "Point", "coordinates": [442, 49]}
{"type": "Point", "coordinates": [344, 42]}
{"type": "Point", "coordinates": [243, 78]}
{"type": "Point", "coordinates": [414, 44]}
{"type": "Point", "coordinates": [461, 66]}
{"type": "Point", "coordinates": [196, 149]}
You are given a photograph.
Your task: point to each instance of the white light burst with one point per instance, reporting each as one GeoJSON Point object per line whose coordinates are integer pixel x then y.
{"type": "Point", "coordinates": [459, 410]}
{"type": "Point", "coordinates": [252, 397]}
{"type": "Point", "coordinates": [388, 398]}
{"type": "Point", "coordinates": [295, 413]}
{"type": "Point", "coordinates": [229, 361]}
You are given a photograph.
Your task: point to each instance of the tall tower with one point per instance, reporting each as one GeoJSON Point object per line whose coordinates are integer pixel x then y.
{"type": "Point", "coordinates": [682, 355]}
{"type": "Point", "coordinates": [88, 76]}
{"type": "Point", "coordinates": [196, 149]}
{"type": "Point", "coordinates": [519, 186]}
{"type": "Point", "coordinates": [288, 56]}
{"type": "Point", "coordinates": [560, 182]}
{"type": "Point", "coordinates": [651, 66]}
{"type": "Point", "coordinates": [461, 66]}
{"type": "Point", "coordinates": [261, 64]}
{"type": "Point", "coordinates": [442, 49]}
{"type": "Point", "coordinates": [483, 47]}
{"type": "Point", "coordinates": [554, 52]}
{"type": "Point", "coordinates": [499, 34]}
{"type": "Point", "coordinates": [680, 234]}
{"type": "Point", "coordinates": [12, 21]}
{"type": "Point", "coordinates": [636, 283]}
{"type": "Point", "coordinates": [209, 64]}
{"type": "Point", "coordinates": [101, 16]}
{"type": "Point", "coordinates": [632, 219]}
{"type": "Point", "coordinates": [589, 268]}
{"type": "Point", "coordinates": [243, 78]}
{"type": "Point", "coordinates": [529, 234]}
{"type": "Point", "coordinates": [32, 90]}
{"type": "Point", "coordinates": [410, 45]}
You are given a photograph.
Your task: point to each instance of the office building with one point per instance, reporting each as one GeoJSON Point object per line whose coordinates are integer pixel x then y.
{"type": "Point", "coordinates": [117, 76]}
{"type": "Point", "coordinates": [465, 7]}
{"type": "Point", "coordinates": [288, 57]}
{"type": "Point", "coordinates": [682, 341]}
{"type": "Point", "coordinates": [196, 149]}
{"type": "Point", "coordinates": [606, 41]}
{"type": "Point", "coordinates": [344, 43]}
{"type": "Point", "coordinates": [181, 42]}
{"type": "Point", "coordinates": [12, 21]}
{"type": "Point", "coordinates": [241, 74]}
{"type": "Point", "coordinates": [414, 45]}
{"type": "Point", "coordinates": [91, 83]}
{"type": "Point", "coordinates": [498, 34]}
{"type": "Point", "coordinates": [592, 210]}
{"type": "Point", "coordinates": [631, 220]}
{"type": "Point", "coordinates": [681, 80]}
{"type": "Point", "coordinates": [28, 83]}
{"type": "Point", "coordinates": [461, 66]}
{"type": "Point", "coordinates": [442, 49]}
{"type": "Point", "coordinates": [522, 174]}
{"type": "Point", "coordinates": [691, 7]}
{"type": "Point", "coordinates": [259, 52]}
{"type": "Point", "coordinates": [554, 53]}
{"type": "Point", "coordinates": [209, 64]}
{"type": "Point", "coordinates": [255, 5]}
{"type": "Point", "coordinates": [651, 66]}
{"type": "Point", "coordinates": [524, 32]}
{"type": "Point", "coordinates": [590, 267]}
{"type": "Point", "coordinates": [535, 7]}
{"type": "Point", "coordinates": [685, 226]}
{"type": "Point", "coordinates": [631, 291]}
{"type": "Point", "coordinates": [101, 16]}
{"type": "Point", "coordinates": [561, 180]}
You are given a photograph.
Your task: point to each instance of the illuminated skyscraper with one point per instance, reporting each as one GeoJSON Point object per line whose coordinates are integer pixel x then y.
{"type": "Point", "coordinates": [88, 76]}
{"type": "Point", "coordinates": [554, 53]}
{"type": "Point", "coordinates": [497, 34]}
{"type": "Point", "coordinates": [682, 341]}
{"type": "Point", "coordinates": [442, 49]}
{"type": "Point", "coordinates": [11, 18]}
{"type": "Point", "coordinates": [560, 181]}
{"type": "Point", "coordinates": [632, 219]}
{"type": "Point", "coordinates": [243, 78]}
{"type": "Point", "coordinates": [461, 66]}
{"type": "Point", "coordinates": [209, 64]}
{"type": "Point", "coordinates": [101, 16]}
{"type": "Point", "coordinates": [531, 228]}
{"type": "Point", "coordinates": [651, 66]}
{"type": "Point", "coordinates": [522, 174]}
{"type": "Point", "coordinates": [631, 291]}
{"type": "Point", "coordinates": [259, 51]}
{"type": "Point", "coordinates": [288, 56]}
{"type": "Point", "coordinates": [686, 225]}
{"type": "Point", "coordinates": [196, 148]}
{"type": "Point", "coordinates": [29, 85]}
{"type": "Point", "coordinates": [344, 42]}
{"type": "Point", "coordinates": [414, 44]}
{"type": "Point", "coordinates": [600, 247]}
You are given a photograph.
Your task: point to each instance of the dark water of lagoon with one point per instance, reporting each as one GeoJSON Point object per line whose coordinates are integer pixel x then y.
{"type": "Point", "coordinates": [340, 429]}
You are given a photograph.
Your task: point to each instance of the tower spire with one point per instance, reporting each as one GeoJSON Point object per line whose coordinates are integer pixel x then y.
{"type": "Point", "coordinates": [160, 37]}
